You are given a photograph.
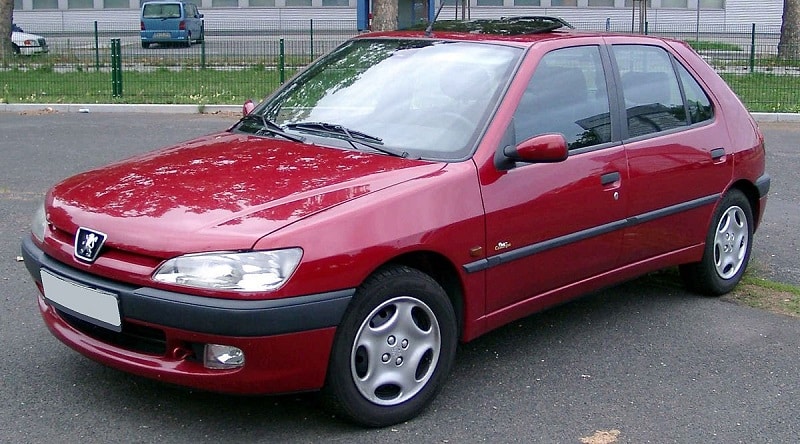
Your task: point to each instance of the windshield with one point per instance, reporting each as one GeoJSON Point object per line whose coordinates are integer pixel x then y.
{"type": "Point", "coordinates": [424, 97]}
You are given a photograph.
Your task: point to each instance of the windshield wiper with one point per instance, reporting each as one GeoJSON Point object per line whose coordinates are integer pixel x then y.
{"type": "Point", "coordinates": [351, 136]}
{"type": "Point", "coordinates": [271, 127]}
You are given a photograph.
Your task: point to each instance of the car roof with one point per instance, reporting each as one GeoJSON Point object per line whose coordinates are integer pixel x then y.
{"type": "Point", "coordinates": [517, 40]}
{"type": "Point", "coordinates": [521, 31]}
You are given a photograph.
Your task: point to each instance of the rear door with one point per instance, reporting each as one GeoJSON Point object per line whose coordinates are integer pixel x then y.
{"type": "Point", "coordinates": [162, 18]}
{"type": "Point", "coordinates": [549, 225]}
{"type": "Point", "coordinates": [678, 152]}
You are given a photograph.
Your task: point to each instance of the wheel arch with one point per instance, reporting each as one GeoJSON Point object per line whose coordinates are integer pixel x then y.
{"type": "Point", "coordinates": [443, 271]}
{"type": "Point", "coordinates": [751, 193]}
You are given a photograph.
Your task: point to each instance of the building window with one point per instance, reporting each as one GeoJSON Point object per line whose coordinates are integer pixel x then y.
{"type": "Point", "coordinates": [489, 2]}
{"type": "Point", "coordinates": [262, 3]}
{"type": "Point", "coordinates": [18, 5]}
{"type": "Point", "coordinates": [629, 3]}
{"type": "Point", "coordinates": [527, 3]}
{"type": "Point", "coordinates": [224, 3]}
{"type": "Point", "coordinates": [335, 3]}
{"type": "Point", "coordinates": [80, 4]}
{"type": "Point", "coordinates": [674, 4]}
{"type": "Point", "coordinates": [45, 4]}
{"type": "Point", "coordinates": [564, 2]}
{"type": "Point", "coordinates": [712, 4]}
{"type": "Point", "coordinates": [291, 3]}
{"type": "Point", "coordinates": [602, 3]}
{"type": "Point", "coordinates": [116, 4]}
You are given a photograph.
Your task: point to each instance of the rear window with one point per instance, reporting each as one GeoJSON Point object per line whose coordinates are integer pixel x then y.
{"type": "Point", "coordinates": [162, 10]}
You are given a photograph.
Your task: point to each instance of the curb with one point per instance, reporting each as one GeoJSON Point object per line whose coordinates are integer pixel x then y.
{"type": "Point", "coordinates": [776, 117]}
{"type": "Point", "coordinates": [216, 109]}
{"type": "Point", "coordinates": [118, 108]}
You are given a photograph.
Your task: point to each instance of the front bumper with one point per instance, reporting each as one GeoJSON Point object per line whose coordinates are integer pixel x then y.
{"type": "Point", "coordinates": [286, 342]}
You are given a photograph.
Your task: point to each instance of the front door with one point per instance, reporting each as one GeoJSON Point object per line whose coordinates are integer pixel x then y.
{"type": "Point", "coordinates": [549, 225]}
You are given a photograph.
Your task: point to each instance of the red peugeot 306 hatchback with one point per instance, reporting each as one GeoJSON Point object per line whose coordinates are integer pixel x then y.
{"type": "Point", "coordinates": [407, 191]}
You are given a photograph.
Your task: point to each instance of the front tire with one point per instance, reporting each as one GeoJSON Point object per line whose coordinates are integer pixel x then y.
{"type": "Point", "coordinates": [393, 349]}
{"type": "Point", "coordinates": [728, 245]}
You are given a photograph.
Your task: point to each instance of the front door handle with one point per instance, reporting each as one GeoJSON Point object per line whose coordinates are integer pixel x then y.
{"type": "Point", "coordinates": [609, 178]}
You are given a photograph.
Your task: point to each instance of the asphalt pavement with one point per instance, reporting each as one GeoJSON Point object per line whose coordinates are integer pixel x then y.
{"type": "Point", "coordinates": [645, 361]}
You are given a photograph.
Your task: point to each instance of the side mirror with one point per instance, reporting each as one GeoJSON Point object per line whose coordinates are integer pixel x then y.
{"type": "Point", "coordinates": [248, 107]}
{"type": "Point", "coordinates": [546, 148]}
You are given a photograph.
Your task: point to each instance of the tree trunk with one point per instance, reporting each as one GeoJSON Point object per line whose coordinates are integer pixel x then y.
{"type": "Point", "coordinates": [789, 46]}
{"type": "Point", "coordinates": [6, 11]}
{"type": "Point", "coordinates": [384, 17]}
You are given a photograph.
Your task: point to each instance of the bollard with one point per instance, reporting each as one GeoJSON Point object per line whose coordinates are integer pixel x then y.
{"type": "Point", "coordinates": [281, 63]}
{"type": "Point", "coordinates": [203, 53]}
{"type": "Point", "coordinates": [96, 48]}
{"type": "Point", "coordinates": [753, 49]}
{"type": "Point", "coordinates": [312, 38]}
{"type": "Point", "coordinates": [116, 68]}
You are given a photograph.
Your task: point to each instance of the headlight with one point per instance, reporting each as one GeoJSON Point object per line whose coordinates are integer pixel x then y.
{"type": "Point", "coordinates": [39, 223]}
{"type": "Point", "coordinates": [249, 271]}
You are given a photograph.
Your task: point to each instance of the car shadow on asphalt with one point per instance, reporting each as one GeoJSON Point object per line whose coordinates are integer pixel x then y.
{"type": "Point", "coordinates": [536, 347]}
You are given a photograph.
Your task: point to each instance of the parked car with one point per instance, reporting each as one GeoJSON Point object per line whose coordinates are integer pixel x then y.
{"type": "Point", "coordinates": [169, 22]}
{"type": "Point", "coordinates": [405, 192]}
{"type": "Point", "coordinates": [25, 43]}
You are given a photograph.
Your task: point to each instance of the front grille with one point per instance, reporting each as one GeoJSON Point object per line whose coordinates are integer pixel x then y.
{"type": "Point", "coordinates": [133, 337]}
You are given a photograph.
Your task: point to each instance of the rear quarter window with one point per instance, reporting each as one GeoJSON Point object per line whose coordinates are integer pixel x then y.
{"type": "Point", "coordinates": [697, 102]}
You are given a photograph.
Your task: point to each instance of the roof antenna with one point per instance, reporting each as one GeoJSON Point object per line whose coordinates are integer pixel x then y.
{"type": "Point", "coordinates": [429, 29]}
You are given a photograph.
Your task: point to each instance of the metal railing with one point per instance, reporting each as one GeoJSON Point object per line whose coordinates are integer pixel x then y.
{"type": "Point", "coordinates": [250, 58]}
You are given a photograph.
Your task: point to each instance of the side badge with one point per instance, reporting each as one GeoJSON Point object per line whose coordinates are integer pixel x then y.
{"type": "Point", "coordinates": [88, 244]}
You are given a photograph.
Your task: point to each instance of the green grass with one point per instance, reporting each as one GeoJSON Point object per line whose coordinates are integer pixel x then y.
{"type": "Point", "coordinates": [768, 295]}
{"type": "Point", "coordinates": [703, 45]}
{"type": "Point", "coordinates": [38, 80]}
{"type": "Point", "coordinates": [767, 92]}
{"type": "Point", "coordinates": [185, 86]}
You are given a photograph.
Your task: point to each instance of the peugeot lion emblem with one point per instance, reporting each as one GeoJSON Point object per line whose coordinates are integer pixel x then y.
{"type": "Point", "coordinates": [88, 244]}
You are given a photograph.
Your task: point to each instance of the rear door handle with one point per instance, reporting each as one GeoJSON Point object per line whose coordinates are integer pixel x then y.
{"type": "Point", "coordinates": [609, 178]}
{"type": "Point", "coordinates": [717, 153]}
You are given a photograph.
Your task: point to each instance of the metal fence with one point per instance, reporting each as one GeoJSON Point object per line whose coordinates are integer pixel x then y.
{"type": "Point", "coordinates": [250, 58]}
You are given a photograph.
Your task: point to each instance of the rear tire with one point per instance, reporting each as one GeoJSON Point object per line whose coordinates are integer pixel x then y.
{"type": "Point", "coordinates": [15, 48]}
{"type": "Point", "coordinates": [727, 252]}
{"type": "Point", "coordinates": [145, 45]}
{"type": "Point", "coordinates": [393, 349]}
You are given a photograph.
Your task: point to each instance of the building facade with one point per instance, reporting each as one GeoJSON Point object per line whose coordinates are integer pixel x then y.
{"type": "Point", "coordinates": [711, 15]}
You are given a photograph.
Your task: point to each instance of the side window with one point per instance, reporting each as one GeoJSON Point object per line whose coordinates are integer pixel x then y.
{"type": "Point", "coordinates": [567, 94]}
{"type": "Point", "coordinates": [697, 101]}
{"type": "Point", "coordinates": [652, 96]}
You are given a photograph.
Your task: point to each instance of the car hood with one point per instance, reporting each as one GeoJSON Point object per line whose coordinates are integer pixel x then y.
{"type": "Point", "coordinates": [219, 192]}
{"type": "Point", "coordinates": [20, 37]}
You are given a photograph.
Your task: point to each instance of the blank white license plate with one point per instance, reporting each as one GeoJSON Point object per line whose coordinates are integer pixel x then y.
{"type": "Point", "coordinates": [162, 35]}
{"type": "Point", "coordinates": [95, 306]}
